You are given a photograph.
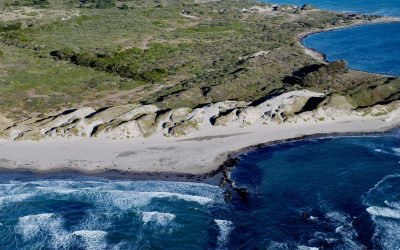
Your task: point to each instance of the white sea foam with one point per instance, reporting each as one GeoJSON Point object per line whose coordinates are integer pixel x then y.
{"type": "Point", "coordinates": [107, 199]}
{"type": "Point", "coordinates": [15, 198]}
{"type": "Point", "coordinates": [47, 227]}
{"type": "Point", "coordinates": [386, 151]}
{"type": "Point", "coordinates": [307, 248]}
{"type": "Point", "coordinates": [337, 217]}
{"type": "Point", "coordinates": [273, 245]}
{"type": "Point", "coordinates": [345, 230]}
{"type": "Point", "coordinates": [387, 233]}
{"type": "Point", "coordinates": [58, 190]}
{"type": "Point", "coordinates": [323, 236]}
{"type": "Point", "coordinates": [396, 150]}
{"type": "Point", "coordinates": [130, 199]}
{"type": "Point", "coordinates": [377, 188]}
{"type": "Point", "coordinates": [133, 195]}
{"type": "Point", "coordinates": [92, 239]}
{"type": "Point", "coordinates": [225, 228]}
{"type": "Point", "coordinates": [387, 177]}
{"type": "Point", "coordinates": [162, 219]}
{"type": "Point", "coordinates": [349, 236]}
{"type": "Point", "coordinates": [31, 225]}
{"type": "Point", "coordinates": [386, 218]}
{"type": "Point", "coordinates": [384, 212]}
{"type": "Point", "coordinates": [191, 198]}
{"type": "Point", "coordinates": [393, 204]}
{"type": "Point", "coordinates": [125, 194]}
{"type": "Point", "coordinates": [96, 220]}
{"type": "Point", "coordinates": [140, 193]}
{"type": "Point", "coordinates": [46, 231]}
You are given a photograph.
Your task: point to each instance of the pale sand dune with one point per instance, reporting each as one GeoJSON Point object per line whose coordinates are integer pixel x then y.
{"type": "Point", "coordinates": [201, 152]}
{"type": "Point", "coordinates": [192, 144]}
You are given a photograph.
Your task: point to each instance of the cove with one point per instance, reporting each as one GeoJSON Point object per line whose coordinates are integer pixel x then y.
{"type": "Point", "coordinates": [383, 8]}
{"type": "Point", "coordinates": [372, 48]}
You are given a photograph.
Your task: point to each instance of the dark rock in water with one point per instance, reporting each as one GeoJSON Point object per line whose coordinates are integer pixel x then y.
{"type": "Point", "coordinates": [305, 216]}
{"type": "Point", "coordinates": [276, 8]}
{"type": "Point", "coordinates": [307, 7]}
{"type": "Point", "coordinates": [243, 193]}
{"type": "Point", "coordinates": [228, 196]}
{"type": "Point", "coordinates": [223, 183]}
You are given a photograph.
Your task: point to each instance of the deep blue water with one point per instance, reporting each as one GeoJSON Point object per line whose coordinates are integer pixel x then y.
{"type": "Point", "coordinates": [94, 213]}
{"type": "Point", "coordinates": [376, 7]}
{"type": "Point", "coordinates": [336, 193]}
{"type": "Point", "coordinates": [371, 48]}
{"type": "Point", "coordinates": [333, 193]}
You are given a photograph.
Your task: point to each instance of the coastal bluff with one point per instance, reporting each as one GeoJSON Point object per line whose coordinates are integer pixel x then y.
{"type": "Point", "coordinates": [144, 121]}
{"type": "Point", "coordinates": [144, 138]}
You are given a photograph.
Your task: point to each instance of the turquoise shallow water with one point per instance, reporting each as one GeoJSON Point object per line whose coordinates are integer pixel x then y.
{"type": "Point", "coordinates": [332, 193]}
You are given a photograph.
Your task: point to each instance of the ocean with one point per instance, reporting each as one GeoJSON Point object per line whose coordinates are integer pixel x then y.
{"type": "Point", "coordinates": [331, 193]}
{"type": "Point", "coordinates": [371, 48]}
{"type": "Point", "coordinates": [373, 7]}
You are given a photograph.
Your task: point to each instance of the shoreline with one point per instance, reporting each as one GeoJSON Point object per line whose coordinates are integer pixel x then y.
{"type": "Point", "coordinates": [321, 57]}
{"type": "Point", "coordinates": [217, 176]}
{"type": "Point", "coordinates": [216, 153]}
{"type": "Point", "coordinates": [204, 155]}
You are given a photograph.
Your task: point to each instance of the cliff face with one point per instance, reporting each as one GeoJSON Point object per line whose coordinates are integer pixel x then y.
{"type": "Point", "coordinates": [133, 121]}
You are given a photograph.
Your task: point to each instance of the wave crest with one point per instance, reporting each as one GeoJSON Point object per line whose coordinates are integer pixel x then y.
{"type": "Point", "coordinates": [225, 228]}
{"type": "Point", "coordinates": [162, 219]}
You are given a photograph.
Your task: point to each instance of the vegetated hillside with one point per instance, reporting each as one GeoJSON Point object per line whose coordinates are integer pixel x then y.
{"type": "Point", "coordinates": [69, 53]}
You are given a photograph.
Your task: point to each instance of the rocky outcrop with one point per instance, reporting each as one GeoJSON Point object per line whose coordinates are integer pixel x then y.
{"type": "Point", "coordinates": [188, 123]}
{"type": "Point", "coordinates": [254, 55]}
{"type": "Point", "coordinates": [5, 122]}
{"type": "Point", "coordinates": [134, 121]}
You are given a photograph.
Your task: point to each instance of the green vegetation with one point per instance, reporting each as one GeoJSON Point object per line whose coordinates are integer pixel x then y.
{"type": "Point", "coordinates": [99, 4]}
{"type": "Point", "coordinates": [143, 65]}
{"type": "Point", "coordinates": [10, 27]}
{"type": "Point", "coordinates": [38, 3]}
{"type": "Point", "coordinates": [172, 53]}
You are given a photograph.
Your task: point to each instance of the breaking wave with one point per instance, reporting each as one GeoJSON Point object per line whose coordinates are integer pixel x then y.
{"type": "Point", "coordinates": [225, 228]}
{"type": "Point", "coordinates": [384, 208]}
{"type": "Point", "coordinates": [384, 212]}
{"type": "Point", "coordinates": [91, 240]}
{"type": "Point", "coordinates": [94, 213]}
{"type": "Point", "coordinates": [162, 219]}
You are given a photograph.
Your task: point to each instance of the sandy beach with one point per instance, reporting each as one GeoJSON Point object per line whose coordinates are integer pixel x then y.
{"type": "Point", "coordinates": [200, 153]}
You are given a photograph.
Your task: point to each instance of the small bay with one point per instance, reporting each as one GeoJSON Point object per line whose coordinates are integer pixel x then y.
{"type": "Point", "coordinates": [371, 48]}
{"type": "Point", "coordinates": [382, 8]}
